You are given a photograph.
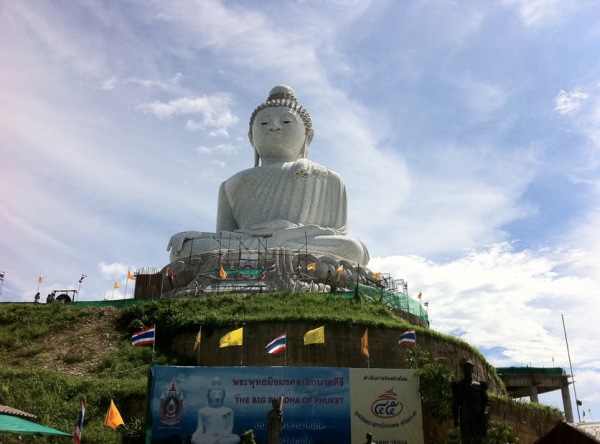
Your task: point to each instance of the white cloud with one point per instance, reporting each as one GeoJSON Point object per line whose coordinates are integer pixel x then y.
{"type": "Point", "coordinates": [500, 297]}
{"type": "Point", "coordinates": [214, 111]}
{"type": "Point", "coordinates": [569, 102]}
{"type": "Point", "coordinates": [109, 84]}
{"type": "Point", "coordinates": [115, 270]}
{"type": "Point", "coordinates": [538, 12]}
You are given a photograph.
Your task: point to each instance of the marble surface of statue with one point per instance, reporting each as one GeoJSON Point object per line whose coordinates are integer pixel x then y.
{"type": "Point", "coordinates": [285, 201]}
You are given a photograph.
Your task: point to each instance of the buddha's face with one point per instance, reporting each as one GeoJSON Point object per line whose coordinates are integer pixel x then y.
{"type": "Point", "coordinates": [279, 134]}
{"type": "Point", "coordinates": [216, 397]}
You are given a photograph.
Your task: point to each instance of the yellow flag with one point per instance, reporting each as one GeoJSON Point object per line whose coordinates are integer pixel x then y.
{"type": "Point", "coordinates": [340, 269]}
{"type": "Point", "coordinates": [311, 266]}
{"type": "Point", "coordinates": [113, 417]}
{"type": "Point", "coordinates": [420, 295]}
{"type": "Point", "coordinates": [130, 275]}
{"type": "Point", "coordinates": [235, 337]}
{"type": "Point", "coordinates": [198, 338]}
{"type": "Point", "coordinates": [117, 285]}
{"type": "Point", "coordinates": [377, 276]}
{"type": "Point", "coordinates": [364, 344]}
{"type": "Point", "coordinates": [167, 272]}
{"type": "Point", "coordinates": [316, 336]}
{"type": "Point", "coordinates": [41, 278]}
{"type": "Point", "coordinates": [222, 273]}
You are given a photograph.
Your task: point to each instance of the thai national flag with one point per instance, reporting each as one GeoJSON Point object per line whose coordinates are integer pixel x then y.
{"type": "Point", "coordinates": [79, 426]}
{"type": "Point", "coordinates": [1, 275]}
{"type": "Point", "coordinates": [143, 337]}
{"type": "Point", "coordinates": [273, 268]}
{"type": "Point", "coordinates": [409, 337]}
{"type": "Point", "coordinates": [277, 344]}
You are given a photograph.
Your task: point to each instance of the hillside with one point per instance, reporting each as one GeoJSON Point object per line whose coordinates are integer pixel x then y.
{"type": "Point", "coordinates": [53, 355]}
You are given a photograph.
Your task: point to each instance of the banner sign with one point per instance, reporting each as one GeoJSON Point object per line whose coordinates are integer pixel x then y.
{"type": "Point", "coordinates": [321, 405]}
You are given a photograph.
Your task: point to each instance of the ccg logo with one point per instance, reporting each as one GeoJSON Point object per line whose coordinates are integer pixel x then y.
{"type": "Point", "coordinates": [387, 405]}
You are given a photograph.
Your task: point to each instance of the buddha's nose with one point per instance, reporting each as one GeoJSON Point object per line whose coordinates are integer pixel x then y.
{"type": "Point", "coordinates": [274, 125]}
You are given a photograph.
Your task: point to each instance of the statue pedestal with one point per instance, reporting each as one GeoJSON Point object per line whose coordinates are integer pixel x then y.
{"type": "Point", "coordinates": [254, 271]}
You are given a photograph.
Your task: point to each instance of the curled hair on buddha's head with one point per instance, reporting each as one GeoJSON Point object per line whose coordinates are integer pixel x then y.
{"type": "Point", "coordinates": [283, 95]}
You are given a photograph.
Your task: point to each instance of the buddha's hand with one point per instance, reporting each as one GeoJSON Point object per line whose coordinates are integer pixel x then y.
{"type": "Point", "coordinates": [177, 240]}
{"type": "Point", "coordinates": [305, 170]}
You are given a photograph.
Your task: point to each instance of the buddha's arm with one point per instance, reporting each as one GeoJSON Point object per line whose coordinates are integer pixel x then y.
{"type": "Point", "coordinates": [225, 219]}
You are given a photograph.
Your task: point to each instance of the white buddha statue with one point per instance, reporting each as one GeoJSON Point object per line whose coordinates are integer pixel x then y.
{"type": "Point", "coordinates": [215, 421]}
{"type": "Point", "coordinates": [295, 203]}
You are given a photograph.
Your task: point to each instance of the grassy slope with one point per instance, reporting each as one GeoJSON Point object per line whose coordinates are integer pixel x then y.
{"type": "Point", "coordinates": [53, 355]}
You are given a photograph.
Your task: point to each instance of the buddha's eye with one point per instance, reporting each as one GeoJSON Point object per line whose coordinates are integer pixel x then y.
{"type": "Point", "coordinates": [287, 121]}
{"type": "Point", "coordinates": [263, 123]}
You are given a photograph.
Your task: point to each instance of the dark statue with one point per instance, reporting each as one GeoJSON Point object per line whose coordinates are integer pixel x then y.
{"type": "Point", "coordinates": [274, 421]}
{"type": "Point", "coordinates": [470, 406]}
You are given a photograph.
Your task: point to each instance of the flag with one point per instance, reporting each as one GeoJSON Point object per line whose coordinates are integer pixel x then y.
{"type": "Point", "coordinates": [130, 275]}
{"type": "Point", "coordinates": [340, 269]}
{"type": "Point", "coordinates": [364, 344]}
{"type": "Point", "coordinates": [311, 266]}
{"type": "Point", "coordinates": [143, 337]}
{"type": "Point", "coordinates": [222, 273]}
{"type": "Point", "coordinates": [409, 337]}
{"type": "Point", "coordinates": [235, 337]}
{"type": "Point", "coordinates": [41, 278]}
{"type": "Point", "coordinates": [113, 417]}
{"type": "Point", "coordinates": [167, 272]}
{"type": "Point", "coordinates": [198, 339]}
{"type": "Point", "coordinates": [263, 275]}
{"type": "Point", "coordinates": [79, 426]}
{"type": "Point", "coordinates": [1, 275]}
{"type": "Point", "coordinates": [316, 336]}
{"type": "Point", "coordinates": [117, 285]}
{"type": "Point", "coordinates": [298, 268]}
{"type": "Point", "coordinates": [273, 267]}
{"type": "Point", "coordinates": [83, 276]}
{"type": "Point", "coordinates": [426, 304]}
{"type": "Point", "coordinates": [420, 295]}
{"type": "Point", "coordinates": [276, 345]}
{"type": "Point", "coordinates": [377, 276]}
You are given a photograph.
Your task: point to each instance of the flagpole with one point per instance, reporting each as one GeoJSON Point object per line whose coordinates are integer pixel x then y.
{"type": "Point", "coordinates": [285, 351]}
{"type": "Point", "coordinates": [39, 281]}
{"type": "Point", "coordinates": [571, 366]}
{"type": "Point", "coordinates": [2, 284]}
{"type": "Point", "coordinates": [126, 284]}
{"type": "Point", "coordinates": [153, 345]}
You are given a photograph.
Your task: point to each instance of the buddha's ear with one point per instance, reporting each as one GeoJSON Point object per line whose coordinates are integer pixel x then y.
{"type": "Point", "coordinates": [309, 136]}
{"type": "Point", "coordinates": [256, 155]}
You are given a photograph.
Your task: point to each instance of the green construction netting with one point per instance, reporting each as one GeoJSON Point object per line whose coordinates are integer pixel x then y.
{"type": "Point", "coordinates": [398, 301]}
{"type": "Point", "coordinates": [12, 424]}
{"type": "Point", "coordinates": [529, 370]}
{"type": "Point", "coordinates": [115, 303]}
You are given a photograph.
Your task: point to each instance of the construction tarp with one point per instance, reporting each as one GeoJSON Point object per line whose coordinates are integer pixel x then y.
{"type": "Point", "coordinates": [12, 424]}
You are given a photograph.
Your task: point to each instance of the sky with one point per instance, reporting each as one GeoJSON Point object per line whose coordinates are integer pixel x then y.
{"type": "Point", "coordinates": [467, 134]}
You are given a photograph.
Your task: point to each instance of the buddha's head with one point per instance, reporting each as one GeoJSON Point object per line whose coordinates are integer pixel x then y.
{"type": "Point", "coordinates": [280, 129]}
{"type": "Point", "coordinates": [215, 393]}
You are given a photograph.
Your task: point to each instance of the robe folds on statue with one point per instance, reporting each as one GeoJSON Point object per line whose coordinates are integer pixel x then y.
{"type": "Point", "coordinates": [261, 201]}
{"type": "Point", "coordinates": [296, 205]}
